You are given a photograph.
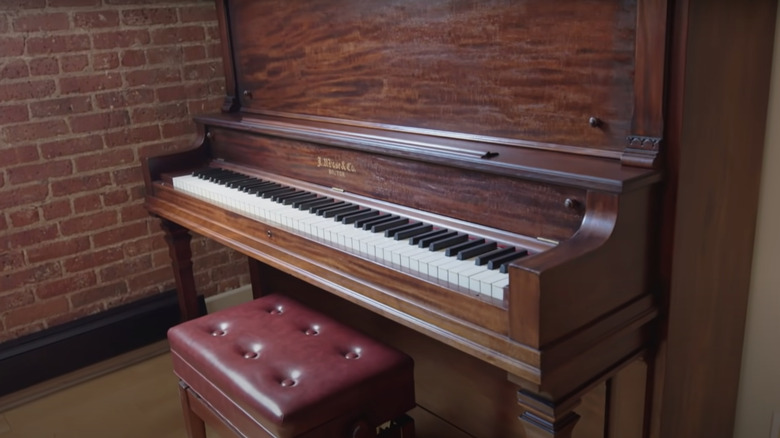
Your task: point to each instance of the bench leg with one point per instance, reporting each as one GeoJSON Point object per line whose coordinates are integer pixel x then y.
{"type": "Point", "coordinates": [195, 426]}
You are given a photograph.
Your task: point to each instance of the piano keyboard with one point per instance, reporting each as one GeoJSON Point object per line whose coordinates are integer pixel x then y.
{"type": "Point", "coordinates": [475, 264]}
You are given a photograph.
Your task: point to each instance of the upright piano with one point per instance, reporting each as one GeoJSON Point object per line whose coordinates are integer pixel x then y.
{"type": "Point", "coordinates": [478, 175]}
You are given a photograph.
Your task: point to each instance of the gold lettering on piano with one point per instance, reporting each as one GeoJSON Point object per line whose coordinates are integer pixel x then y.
{"type": "Point", "coordinates": [336, 167]}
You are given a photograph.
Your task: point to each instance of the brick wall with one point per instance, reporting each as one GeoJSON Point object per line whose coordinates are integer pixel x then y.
{"type": "Point", "coordinates": [87, 88]}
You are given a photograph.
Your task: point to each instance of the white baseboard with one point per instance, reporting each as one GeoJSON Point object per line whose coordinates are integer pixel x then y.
{"type": "Point", "coordinates": [229, 298]}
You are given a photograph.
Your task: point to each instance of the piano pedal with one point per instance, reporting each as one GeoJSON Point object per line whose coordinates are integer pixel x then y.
{"type": "Point", "coordinates": [401, 427]}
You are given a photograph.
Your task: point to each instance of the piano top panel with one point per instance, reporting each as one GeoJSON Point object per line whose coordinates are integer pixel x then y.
{"type": "Point", "coordinates": [521, 73]}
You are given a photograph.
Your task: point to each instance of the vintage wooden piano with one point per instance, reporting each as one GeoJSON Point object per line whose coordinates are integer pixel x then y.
{"type": "Point", "coordinates": [478, 178]}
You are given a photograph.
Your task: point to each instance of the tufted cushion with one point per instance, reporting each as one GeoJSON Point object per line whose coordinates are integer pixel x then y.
{"type": "Point", "coordinates": [275, 364]}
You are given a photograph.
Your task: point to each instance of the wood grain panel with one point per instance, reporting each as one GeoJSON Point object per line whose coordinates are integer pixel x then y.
{"type": "Point", "coordinates": [535, 70]}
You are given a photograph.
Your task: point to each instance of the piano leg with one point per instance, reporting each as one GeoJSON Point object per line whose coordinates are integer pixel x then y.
{"type": "Point", "coordinates": [179, 249]}
{"type": "Point", "coordinates": [544, 419]}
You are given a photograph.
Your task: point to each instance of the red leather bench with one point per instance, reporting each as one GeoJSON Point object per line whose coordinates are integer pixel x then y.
{"type": "Point", "coordinates": [272, 367]}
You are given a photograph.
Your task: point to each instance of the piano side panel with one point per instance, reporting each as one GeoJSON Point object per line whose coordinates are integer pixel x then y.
{"type": "Point", "coordinates": [513, 205]}
{"type": "Point", "coordinates": [521, 70]}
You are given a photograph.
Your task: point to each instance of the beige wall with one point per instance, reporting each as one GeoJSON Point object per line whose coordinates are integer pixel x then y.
{"type": "Point", "coordinates": [759, 391]}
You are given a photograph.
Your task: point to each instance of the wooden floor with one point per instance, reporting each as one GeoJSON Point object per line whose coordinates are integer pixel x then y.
{"type": "Point", "coordinates": [136, 401]}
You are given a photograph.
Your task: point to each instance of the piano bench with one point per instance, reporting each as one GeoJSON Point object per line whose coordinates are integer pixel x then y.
{"type": "Point", "coordinates": [274, 368]}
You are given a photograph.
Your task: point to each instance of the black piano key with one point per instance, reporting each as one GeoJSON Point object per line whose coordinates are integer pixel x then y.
{"type": "Point", "coordinates": [313, 203]}
{"type": "Point", "coordinates": [477, 250]}
{"type": "Point", "coordinates": [270, 193]}
{"type": "Point", "coordinates": [503, 260]}
{"type": "Point", "coordinates": [345, 209]}
{"type": "Point", "coordinates": [304, 196]}
{"type": "Point", "coordinates": [322, 209]}
{"type": "Point", "coordinates": [411, 232]}
{"type": "Point", "coordinates": [378, 220]}
{"type": "Point", "coordinates": [485, 258]}
{"type": "Point", "coordinates": [247, 187]}
{"type": "Point", "coordinates": [505, 266]}
{"type": "Point", "coordinates": [360, 222]}
{"type": "Point", "coordinates": [454, 250]}
{"type": "Point", "coordinates": [363, 214]}
{"type": "Point", "coordinates": [238, 183]}
{"type": "Point", "coordinates": [448, 242]}
{"type": "Point", "coordinates": [279, 197]}
{"type": "Point", "coordinates": [415, 240]}
{"type": "Point", "coordinates": [264, 188]}
{"type": "Point", "coordinates": [378, 228]}
{"type": "Point", "coordinates": [427, 241]}
{"type": "Point", "coordinates": [390, 232]}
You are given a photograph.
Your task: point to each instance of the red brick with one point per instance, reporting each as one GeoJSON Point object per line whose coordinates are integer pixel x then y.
{"type": "Point", "coordinates": [131, 213]}
{"type": "Point", "coordinates": [152, 76]}
{"type": "Point", "coordinates": [115, 197]}
{"type": "Point", "coordinates": [204, 71]}
{"type": "Point", "coordinates": [125, 268]}
{"type": "Point", "coordinates": [40, 310]}
{"type": "Point", "coordinates": [125, 98]}
{"type": "Point", "coordinates": [14, 69]}
{"type": "Point", "coordinates": [89, 84]}
{"type": "Point", "coordinates": [121, 39]}
{"type": "Point", "coordinates": [105, 61]}
{"type": "Point", "coordinates": [203, 105]}
{"type": "Point", "coordinates": [87, 203]}
{"type": "Point", "coordinates": [194, 53]}
{"type": "Point", "coordinates": [90, 296]}
{"type": "Point", "coordinates": [39, 171]}
{"type": "Point", "coordinates": [41, 22]}
{"type": "Point", "coordinates": [73, 3]}
{"type": "Point", "coordinates": [100, 121]}
{"type": "Point", "coordinates": [173, 35]}
{"type": "Point", "coordinates": [15, 299]}
{"type": "Point", "coordinates": [182, 91]}
{"type": "Point", "coordinates": [88, 223]}
{"type": "Point", "coordinates": [96, 19]}
{"type": "Point", "coordinates": [54, 250]}
{"type": "Point", "coordinates": [91, 260]}
{"type": "Point", "coordinates": [178, 129]}
{"type": "Point", "coordinates": [105, 160]}
{"type": "Point", "coordinates": [149, 16]}
{"type": "Point", "coordinates": [57, 44]}
{"type": "Point", "coordinates": [30, 194]}
{"type": "Point", "coordinates": [133, 58]}
{"type": "Point", "coordinates": [3, 223]}
{"type": "Point", "coordinates": [170, 111]}
{"type": "Point", "coordinates": [133, 135]}
{"type": "Point", "coordinates": [26, 238]}
{"type": "Point", "coordinates": [120, 234]}
{"type": "Point", "coordinates": [12, 46]}
{"type": "Point", "coordinates": [13, 114]}
{"type": "Point", "coordinates": [131, 175]}
{"type": "Point", "coordinates": [197, 14]}
{"type": "Point", "coordinates": [61, 107]}
{"type": "Point", "coordinates": [71, 146]}
{"type": "Point", "coordinates": [11, 261]}
{"type": "Point", "coordinates": [27, 90]}
{"type": "Point", "coordinates": [56, 209]}
{"type": "Point", "coordinates": [4, 23]}
{"type": "Point", "coordinates": [147, 279]}
{"type": "Point", "coordinates": [164, 55]}
{"type": "Point", "coordinates": [80, 183]}
{"type": "Point", "coordinates": [24, 217]}
{"type": "Point", "coordinates": [44, 66]}
{"type": "Point", "coordinates": [167, 147]}
{"type": "Point", "coordinates": [17, 279]}
{"type": "Point", "coordinates": [147, 245]}
{"type": "Point", "coordinates": [24, 4]}
{"type": "Point", "coordinates": [74, 63]}
{"type": "Point", "coordinates": [35, 131]}
{"type": "Point", "coordinates": [65, 285]}
{"type": "Point", "coordinates": [212, 34]}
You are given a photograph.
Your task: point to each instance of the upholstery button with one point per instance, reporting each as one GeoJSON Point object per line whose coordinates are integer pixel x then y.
{"type": "Point", "coordinates": [287, 382]}
{"type": "Point", "coordinates": [218, 332]}
{"type": "Point", "coordinates": [352, 355]}
{"type": "Point", "coordinates": [278, 310]}
{"type": "Point", "coordinates": [312, 331]}
{"type": "Point", "coordinates": [251, 355]}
